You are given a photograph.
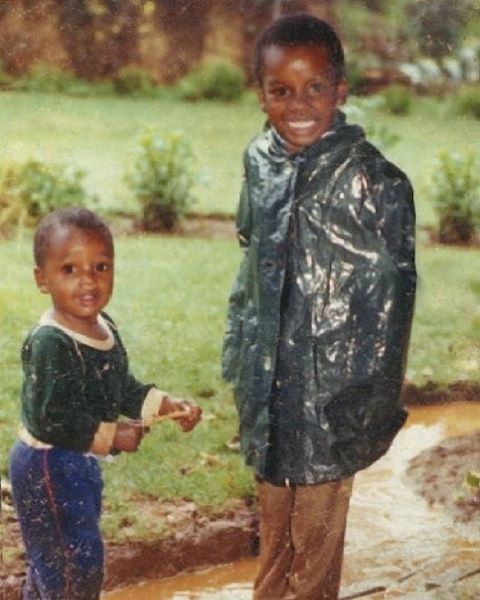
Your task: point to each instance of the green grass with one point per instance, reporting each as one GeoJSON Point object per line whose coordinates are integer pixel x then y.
{"type": "Point", "coordinates": [169, 302]}
{"type": "Point", "coordinates": [445, 339]}
{"type": "Point", "coordinates": [99, 135]}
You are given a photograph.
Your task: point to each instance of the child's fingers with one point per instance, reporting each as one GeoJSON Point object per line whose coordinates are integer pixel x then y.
{"type": "Point", "coordinates": [193, 418]}
{"type": "Point", "coordinates": [177, 414]}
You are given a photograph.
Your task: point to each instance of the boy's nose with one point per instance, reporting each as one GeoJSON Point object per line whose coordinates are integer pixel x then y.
{"type": "Point", "coordinates": [299, 99]}
{"type": "Point", "coordinates": [87, 277]}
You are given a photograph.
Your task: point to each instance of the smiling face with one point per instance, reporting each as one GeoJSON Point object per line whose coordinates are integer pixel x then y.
{"type": "Point", "coordinates": [77, 272]}
{"type": "Point", "coordinates": [300, 92]}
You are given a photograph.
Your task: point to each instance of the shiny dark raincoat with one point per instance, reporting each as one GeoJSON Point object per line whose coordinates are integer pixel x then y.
{"type": "Point", "coordinates": [320, 313]}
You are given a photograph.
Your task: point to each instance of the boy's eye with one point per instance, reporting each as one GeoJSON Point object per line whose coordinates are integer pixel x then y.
{"type": "Point", "coordinates": [279, 92]}
{"type": "Point", "coordinates": [68, 269]}
{"type": "Point", "coordinates": [318, 88]}
{"type": "Point", "coordinates": [102, 267]}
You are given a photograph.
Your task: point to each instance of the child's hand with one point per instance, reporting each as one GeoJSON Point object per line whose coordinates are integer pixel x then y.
{"type": "Point", "coordinates": [189, 412]}
{"type": "Point", "coordinates": [128, 435]}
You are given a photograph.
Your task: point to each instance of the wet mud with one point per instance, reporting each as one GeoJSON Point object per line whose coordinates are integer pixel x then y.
{"type": "Point", "coordinates": [402, 539]}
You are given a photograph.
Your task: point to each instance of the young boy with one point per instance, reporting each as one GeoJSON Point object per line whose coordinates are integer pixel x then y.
{"type": "Point", "coordinates": [320, 313]}
{"type": "Point", "coordinates": [76, 385]}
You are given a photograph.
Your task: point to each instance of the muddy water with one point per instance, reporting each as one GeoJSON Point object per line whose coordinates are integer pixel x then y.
{"type": "Point", "coordinates": [396, 544]}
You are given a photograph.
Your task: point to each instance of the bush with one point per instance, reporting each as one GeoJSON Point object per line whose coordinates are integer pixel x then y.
{"type": "Point", "coordinates": [397, 100]}
{"type": "Point", "coordinates": [49, 79]}
{"type": "Point", "coordinates": [456, 193]}
{"type": "Point", "coordinates": [162, 180]}
{"type": "Point", "coordinates": [215, 80]}
{"type": "Point", "coordinates": [31, 190]}
{"type": "Point", "coordinates": [43, 77]}
{"type": "Point", "coordinates": [365, 110]}
{"type": "Point", "coordinates": [467, 101]}
{"type": "Point", "coordinates": [5, 78]}
{"type": "Point", "coordinates": [134, 81]}
{"type": "Point", "coordinates": [437, 27]}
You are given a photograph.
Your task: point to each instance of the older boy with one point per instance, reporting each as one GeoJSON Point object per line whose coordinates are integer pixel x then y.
{"type": "Point", "coordinates": [320, 313]}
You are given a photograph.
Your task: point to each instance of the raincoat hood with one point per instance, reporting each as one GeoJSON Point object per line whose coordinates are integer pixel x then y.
{"type": "Point", "coordinates": [320, 313]}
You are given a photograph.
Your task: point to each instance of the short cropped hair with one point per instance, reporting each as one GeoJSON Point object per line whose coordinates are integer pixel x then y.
{"type": "Point", "coordinates": [297, 30]}
{"type": "Point", "coordinates": [76, 217]}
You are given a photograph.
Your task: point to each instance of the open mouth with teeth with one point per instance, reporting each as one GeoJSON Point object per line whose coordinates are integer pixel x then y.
{"type": "Point", "coordinates": [299, 125]}
{"type": "Point", "coordinates": [88, 299]}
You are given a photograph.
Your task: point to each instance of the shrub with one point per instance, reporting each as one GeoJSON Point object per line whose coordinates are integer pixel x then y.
{"type": "Point", "coordinates": [162, 180]}
{"type": "Point", "coordinates": [30, 190]}
{"type": "Point", "coordinates": [5, 78]}
{"type": "Point", "coordinates": [467, 101]}
{"type": "Point", "coordinates": [214, 80]}
{"type": "Point", "coordinates": [365, 110]}
{"type": "Point", "coordinates": [397, 100]}
{"type": "Point", "coordinates": [437, 27]}
{"type": "Point", "coordinates": [134, 81]}
{"type": "Point", "coordinates": [456, 193]}
{"type": "Point", "coordinates": [381, 136]}
{"type": "Point", "coordinates": [43, 77]}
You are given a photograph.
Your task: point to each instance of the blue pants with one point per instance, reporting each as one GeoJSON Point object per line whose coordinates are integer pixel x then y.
{"type": "Point", "coordinates": [57, 495]}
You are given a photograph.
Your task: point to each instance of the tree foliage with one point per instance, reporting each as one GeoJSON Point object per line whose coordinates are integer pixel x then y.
{"type": "Point", "coordinates": [438, 26]}
{"type": "Point", "coordinates": [100, 36]}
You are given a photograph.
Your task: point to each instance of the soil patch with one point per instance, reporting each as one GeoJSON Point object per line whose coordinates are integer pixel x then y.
{"type": "Point", "coordinates": [200, 540]}
{"type": "Point", "coordinates": [432, 393]}
{"type": "Point", "coordinates": [439, 475]}
{"type": "Point", "coordinates": [214, 226]}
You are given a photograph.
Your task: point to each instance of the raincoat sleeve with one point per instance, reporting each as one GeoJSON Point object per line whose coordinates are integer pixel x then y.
{"type": "Point", "coordinates": [238, 294]}
{"type": "Point", "coordinates": [398, 231]}
{"type": "Point", "coordinates": [368, 409]}
{"type": "Point", "coordinates": [244, 213]}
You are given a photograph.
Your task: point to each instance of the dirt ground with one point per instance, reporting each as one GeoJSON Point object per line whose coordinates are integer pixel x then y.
{"type": "Point", "coordinates": [198, 540]}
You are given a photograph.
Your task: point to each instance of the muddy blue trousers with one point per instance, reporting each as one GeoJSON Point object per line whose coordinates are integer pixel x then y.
{"type": "Point", "coordinates": [57, 495]}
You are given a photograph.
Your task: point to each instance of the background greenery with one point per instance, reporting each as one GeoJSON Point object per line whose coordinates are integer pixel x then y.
{"type": "Point", "coordinates": [100, 137]}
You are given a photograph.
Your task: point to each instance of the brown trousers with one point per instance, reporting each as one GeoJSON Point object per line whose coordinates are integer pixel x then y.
{"type": "Point", "coordinates": [302, 532]}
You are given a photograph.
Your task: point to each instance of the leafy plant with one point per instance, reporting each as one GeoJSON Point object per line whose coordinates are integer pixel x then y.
{"type": "Point", "coordinates": [365, 111]}
{"type": "Point", "coordinates": [467, 101]}
{"type": "Point", "coordinates": [5, 78]}
{"type": "Point", "coordinates": [162, 179]}
{"type": "Point", "coordinates": [214, 80]}
{"type": "Point", "coordinates": [437, 26]}
{"type": "Point", "coordinates": [397, 100]}
{"type": "Point", "coordinates": [47, 78]}
{"type": "Point", "coordinates": [30, 190]}
{"type": "Point", "coordinates": [472, 480]}
{"type": "Point", "coordinates": [456, 193]}
{"type": "Point", "coordinates": [382, 136]}
{"type": "Point", "coordinates": [134, 81]}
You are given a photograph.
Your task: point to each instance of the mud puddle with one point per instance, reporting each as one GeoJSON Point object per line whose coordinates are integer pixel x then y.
{"type": "Point", "coordinates": [397, 545]}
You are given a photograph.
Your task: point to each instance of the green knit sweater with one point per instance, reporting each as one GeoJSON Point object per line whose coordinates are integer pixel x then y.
{"type": "Point", "coordinates": [71, 384]}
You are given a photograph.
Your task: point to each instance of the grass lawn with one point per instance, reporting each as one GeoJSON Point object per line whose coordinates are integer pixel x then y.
{"type": "Point", "coordinates": [99, 135]}
{"type": "Point", "coordinates": [169, 303]}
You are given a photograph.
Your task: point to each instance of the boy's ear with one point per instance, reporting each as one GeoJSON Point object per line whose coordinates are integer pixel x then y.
{"type": "Point", "coordinates": [261, 98]}
{"type": "Point", "coordinates": [342, 92]}
{"type": "Point", "coordinates": [40, 280]}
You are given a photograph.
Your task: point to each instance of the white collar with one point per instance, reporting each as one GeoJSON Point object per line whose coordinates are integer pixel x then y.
{"type": "Point", "coordinates": [107, 344]}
